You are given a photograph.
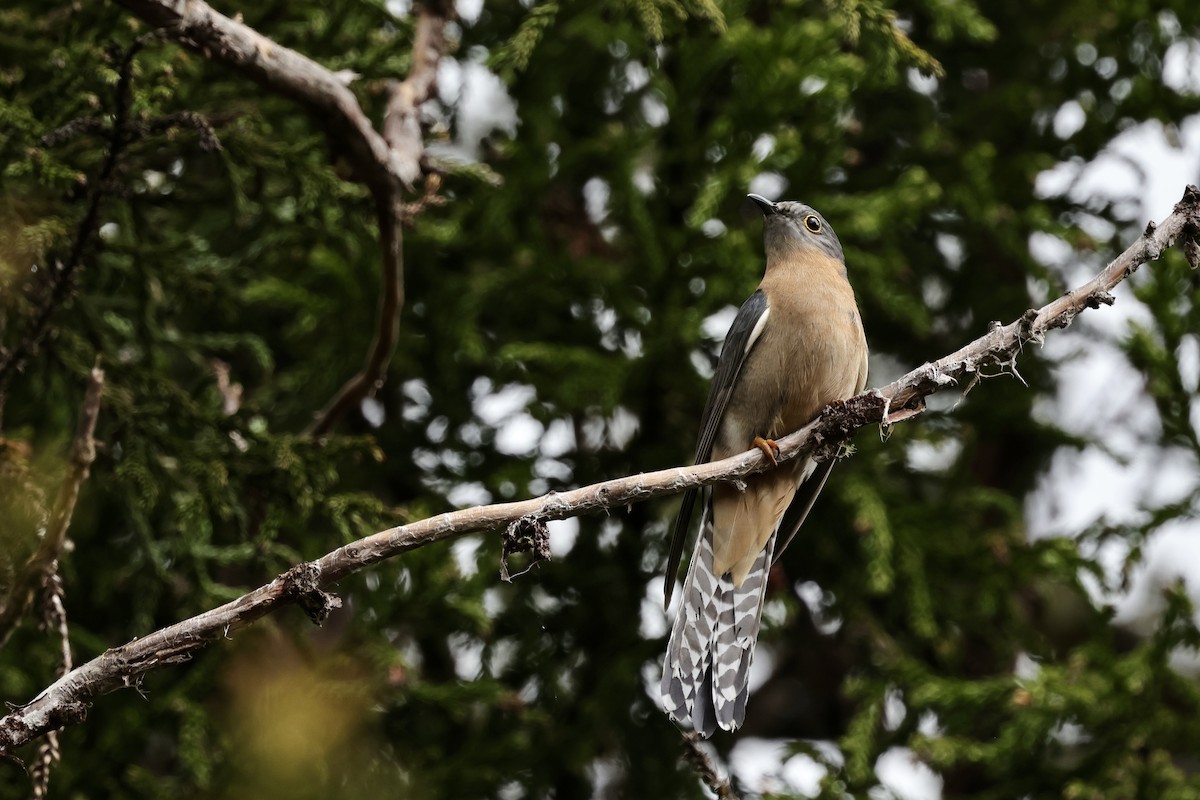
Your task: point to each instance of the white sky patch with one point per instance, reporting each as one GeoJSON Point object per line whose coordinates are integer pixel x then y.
{"type": "Point", "coordinates": [919, 82]}
{"type": "Point", "coordinates": [761, 668]}
{"type": "Point", "coordinates": [763, 765]}
{"type": "Point", "coordinates": [553, 469]}
{"type": "Point", "coordinates": [636, 76]}
{"type": "Point", "coordinates": [804, 773]}
{"type": "Point", "coordinates": [812, 85]}
{"type": "Point", "coordinates": [503, 654]}
{"type": "Point", "coordinates": [481, 102]}
{"type": "Point", "coordinates": [492, 408]}
{"type": "Point", "coordinates": [1170, 556]}
{"type": "Point", "coordinates": [701, 363]}
{"type": "Point", "coordinates": [1026, 668]}
{"type": "Point", "coordinates": [465, 552]}
{"type": "Point", "coordinates": [1113, 480]}
{"type": "Point", "coordinates": [466, 495]}
{"type": "Point", "coordinates": [951, 248]}
{"type": "Point", "coordinates": [716, 325]}
{"type": "Point", "coordinates": [595, 199]}
{"type": "Point", "coordinates": [770, 185]}
{"type": "Point", "coordinates": [643, 179]}
{"type": "Point", "coordinates": [1051, 250]}
{"type": "Point", "coordinates": [934, 292]}
{"type": "Point", "coordinates": [653, 622]}
{"type": "Point", "coordinates": [1181, 67]}
{"type": "Point", "coordinates": [763, 147]}
{"type": "Point", "coordinates": [654, 109]}
{"type": "Point", "coordinates": [906, 777]}
{"type": "Point", "coordinates": [1187, 356]}
{"type": "Point", "coordinates": [494, 601]}
{"type": "Point", "coordinates": [559, 439]}
{"type": "Point", "coordinates": [563, 533]}
{"type": "Point", "coordinates": [467, 652]}
{"type": "Point", "coordinates": [469, 10]}
{"type": "Point", "coordinates": [756, 761]}
{"type": "Point", "coordinates": [622, 427]}
{"type": "Point", "coordinates": [1142, 164]}
{"type": "Point", "coordinates": [417, 400]}
{"type": "Point", "coordinates": [519, 435]}
{"type": "Point", "coordinates": [604, 774]}
{"type": "Point", "coordinates": [894, 710]}
{"type": "Point", "coordinates": [373, 412]}
{"type": "Point", "coordinates": [1069, 119]}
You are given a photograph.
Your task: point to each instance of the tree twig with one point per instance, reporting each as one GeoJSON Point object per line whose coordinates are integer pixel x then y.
{"type": "Point", "coordinates": [66, 701]}
{"type": "Point", "coordinates": [44, 558]}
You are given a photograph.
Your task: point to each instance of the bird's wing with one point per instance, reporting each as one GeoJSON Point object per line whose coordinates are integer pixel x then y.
{"type": "Point", "coordinates": [747, 328]}
{"type": "Point", "coordinates": [802, 503]}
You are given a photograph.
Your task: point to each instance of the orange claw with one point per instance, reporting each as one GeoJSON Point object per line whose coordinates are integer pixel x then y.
{"type": "Point", "coordinates": [769, 448]}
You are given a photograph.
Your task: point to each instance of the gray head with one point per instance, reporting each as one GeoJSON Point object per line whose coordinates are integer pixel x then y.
{"type": "Point", "coordinates": [789, 225]}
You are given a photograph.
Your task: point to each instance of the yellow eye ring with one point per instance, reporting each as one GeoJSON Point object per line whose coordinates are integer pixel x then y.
{"type": "Point", "coordinates": [812, 223]}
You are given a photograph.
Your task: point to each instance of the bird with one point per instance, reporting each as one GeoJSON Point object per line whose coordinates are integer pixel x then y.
{"type": "Point", "coordinates": [796, 345]}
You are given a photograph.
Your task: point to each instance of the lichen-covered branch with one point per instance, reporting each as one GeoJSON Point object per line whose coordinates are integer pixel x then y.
{"type": "Point", "coordinates": [66, 701]}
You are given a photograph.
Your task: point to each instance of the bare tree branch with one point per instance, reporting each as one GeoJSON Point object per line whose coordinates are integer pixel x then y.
{"type": "Point", "coordinates": [389, 163]}
{"type": "Point", "coordinates": [66, 701]}
{"type": "Point", "coordinates": [45, 558]}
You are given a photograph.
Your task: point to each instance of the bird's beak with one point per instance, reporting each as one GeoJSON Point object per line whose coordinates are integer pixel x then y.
{"type": "Point", "coordinates": [763, 203]}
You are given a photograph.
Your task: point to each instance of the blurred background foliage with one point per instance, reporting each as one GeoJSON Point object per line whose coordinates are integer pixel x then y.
{"type": "Point", "coordinates": [564, 310]}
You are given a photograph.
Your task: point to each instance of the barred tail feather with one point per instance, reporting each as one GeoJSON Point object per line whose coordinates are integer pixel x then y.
{"type": "Point", "coordinates": [706, 675]}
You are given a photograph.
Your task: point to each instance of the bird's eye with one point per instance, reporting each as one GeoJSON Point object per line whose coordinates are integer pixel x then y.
{"type": "Point", "coordinates": [812, 223]}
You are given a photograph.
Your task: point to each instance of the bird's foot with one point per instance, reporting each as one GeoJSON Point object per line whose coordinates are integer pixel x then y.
{"type": "Point", "coordinates": [769, 448]}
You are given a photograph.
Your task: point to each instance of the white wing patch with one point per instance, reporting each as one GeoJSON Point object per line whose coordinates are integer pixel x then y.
{"type": "Point", "coordinates": [759, 327]}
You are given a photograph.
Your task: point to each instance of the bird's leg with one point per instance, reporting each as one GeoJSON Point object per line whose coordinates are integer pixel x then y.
{"type": "Point", "coordinates": [769, 448]}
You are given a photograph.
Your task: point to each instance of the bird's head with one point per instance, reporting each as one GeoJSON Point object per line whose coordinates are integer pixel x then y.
{"type": "Point", "coordinates": [789, 226]}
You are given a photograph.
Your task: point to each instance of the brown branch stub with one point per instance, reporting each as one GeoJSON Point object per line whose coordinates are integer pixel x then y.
{"type": "Point", "coordinates": [66, 700]}
{"type": "Point", "coordinates": [525, 535]}
{"type": "Point", "coordinates": [302, 585]}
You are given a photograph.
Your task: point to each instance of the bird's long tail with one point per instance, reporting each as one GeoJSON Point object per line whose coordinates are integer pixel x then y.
{"type": "Point", "coordinates": [706, 675]}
